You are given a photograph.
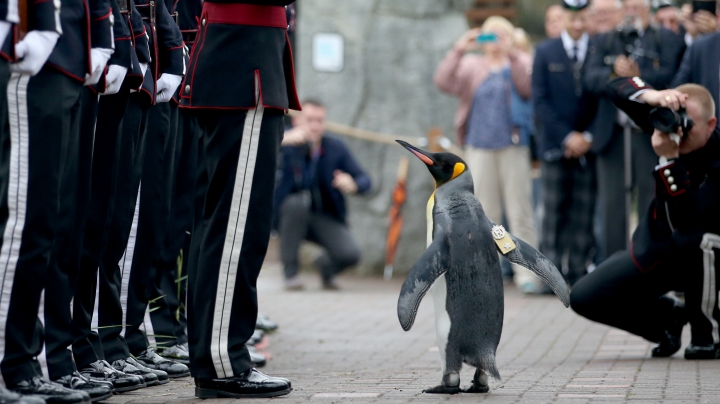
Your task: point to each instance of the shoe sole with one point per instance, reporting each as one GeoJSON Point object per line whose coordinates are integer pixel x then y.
{"type": "Point", "coordinates": [212, 393]}
{"type": "Point", "coordinates": [177, 376]}
{"type": "Point", "coordinates": [129, 388]}
{"type": "Point", "coordinates": [105, 397]}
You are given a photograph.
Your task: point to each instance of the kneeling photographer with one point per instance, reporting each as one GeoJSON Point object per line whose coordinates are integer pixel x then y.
{"type": "Point", "coordinates": [674, 246]}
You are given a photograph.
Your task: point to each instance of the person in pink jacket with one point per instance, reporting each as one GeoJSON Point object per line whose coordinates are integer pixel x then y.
{"type": "Point", "coordinates": [490, 85]}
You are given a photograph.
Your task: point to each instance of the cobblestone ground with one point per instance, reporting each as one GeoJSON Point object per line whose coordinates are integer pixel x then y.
{"type": "Point", "coordinates": [348, 346]}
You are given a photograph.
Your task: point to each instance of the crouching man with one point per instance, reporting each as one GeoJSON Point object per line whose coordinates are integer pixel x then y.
{"type": "Point", "coordinates": [674, 246]}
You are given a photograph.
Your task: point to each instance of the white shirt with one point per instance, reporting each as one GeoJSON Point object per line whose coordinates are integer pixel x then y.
{"type": "Point", "coordinates": [569, 44]}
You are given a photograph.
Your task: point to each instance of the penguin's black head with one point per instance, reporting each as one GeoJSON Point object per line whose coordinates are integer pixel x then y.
{"type": "Point", "coordinates": [443, 166]}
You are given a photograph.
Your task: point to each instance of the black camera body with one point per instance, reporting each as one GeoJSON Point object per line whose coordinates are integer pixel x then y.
{"type": "Point", "coordinates": [669, 121]}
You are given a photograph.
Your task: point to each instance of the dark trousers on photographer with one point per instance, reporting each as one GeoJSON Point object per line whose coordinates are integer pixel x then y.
{"type": "Point", "coordinates": [619, 295]}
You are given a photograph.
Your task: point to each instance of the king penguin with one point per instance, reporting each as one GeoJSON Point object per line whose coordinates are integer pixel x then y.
{"type": "Point", "coordinates": [462, 266]}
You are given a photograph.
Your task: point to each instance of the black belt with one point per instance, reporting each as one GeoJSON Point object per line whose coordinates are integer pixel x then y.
{"type": "Point", "coordinates": [147, 12]}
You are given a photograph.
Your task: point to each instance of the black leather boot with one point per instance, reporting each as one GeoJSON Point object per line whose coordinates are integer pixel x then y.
{"type": "Point", "coordinates": [672, 342]}
{"type": "Point", "coordinates": [252, 384]}
{"type": "Point", "coordinates": [52, 393]}
{"type": "Point", "coordinates": [96, 390]}
{"type": "Point", "coordinates": [702, 351]}
{"type": "Point", "coordinates": [149, 358]}
{"type": "Point", "coordinates": [9, 397]}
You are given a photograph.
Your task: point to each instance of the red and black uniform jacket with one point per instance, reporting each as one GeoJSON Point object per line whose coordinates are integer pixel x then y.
{"type": "Point", "coordinates": [687, 191]}
{"type": "Point", "coordinates": [241, 48]}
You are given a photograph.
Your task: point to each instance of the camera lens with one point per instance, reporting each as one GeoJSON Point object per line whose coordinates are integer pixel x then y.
{"type": "Point", "coordinates": [665, 120]}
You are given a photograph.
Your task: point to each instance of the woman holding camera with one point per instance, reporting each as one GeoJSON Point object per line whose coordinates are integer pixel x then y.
{"type": "Point", "coordinates": [494, 88]}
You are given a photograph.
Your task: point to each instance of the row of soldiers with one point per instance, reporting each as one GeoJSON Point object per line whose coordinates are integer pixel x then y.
{"type": "Point", "coordinates": [97, 196]}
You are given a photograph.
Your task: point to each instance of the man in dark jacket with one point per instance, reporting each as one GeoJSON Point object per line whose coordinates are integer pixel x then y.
{"type": "Point", "coordinates": [635, 49]}
{"type": "Point", "coordinates": [564, 112]}
{"type": "Point", "coordinates": [316, 171]}
{"type": "Point", "coordinates": [701, 65]}
{"type": "Point", "coordinates": [240, 113]}
{"type": "Point", "coordinates": [675, 245]}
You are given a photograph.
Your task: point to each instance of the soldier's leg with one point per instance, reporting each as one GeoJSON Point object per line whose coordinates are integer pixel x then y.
{"type": "Point", "coordinates": [701, 296]}
{"type": "Point", "coordinates": [240, 160]}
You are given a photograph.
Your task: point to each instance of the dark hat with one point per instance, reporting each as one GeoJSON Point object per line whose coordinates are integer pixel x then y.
{"type": "Point", "coordinates": [575, 5]}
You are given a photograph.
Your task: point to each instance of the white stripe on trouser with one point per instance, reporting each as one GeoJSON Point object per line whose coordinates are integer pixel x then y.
{"type": "Point", "coordinates": [126, 263]}
{"type": "Point", "coordinates": [710, 242]}
{"type": "Point", "coordinates": [233, 241]}
{"type": "Point", "coordinates": [95, 315]}
{"type": "Point", "coordinates": [17, 195]}
{"type": "Point", "coordinates": [148, 328]}
{"type": "Point", "coordinates": [42, 358]}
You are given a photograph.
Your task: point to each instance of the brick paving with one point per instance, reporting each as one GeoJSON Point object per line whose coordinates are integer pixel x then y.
{"type": "Point", "coordinates": [348, 346]}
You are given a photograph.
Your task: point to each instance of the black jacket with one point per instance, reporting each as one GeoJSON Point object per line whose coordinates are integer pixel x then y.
{"type": "Point", "coordinates": [687, 192]}
{"type": "Point", "coordinates": [227, 59]}
{"type": "Point", "coordinates": [658, 71]}
{"type": "Point", "coordinates": [561, 104]}
{"type": "Point", "coordinates": [701, 65]}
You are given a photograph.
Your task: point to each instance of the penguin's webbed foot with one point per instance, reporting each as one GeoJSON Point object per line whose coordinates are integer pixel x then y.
{"type": "Point", "coordinates": [442, 389]}
{"type": "Point", "coordinates": [477, 388]}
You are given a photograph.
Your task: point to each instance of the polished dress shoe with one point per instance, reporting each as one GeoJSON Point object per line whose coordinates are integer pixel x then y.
{"type": "Point", "coordinates": [176, 353]}
{"type": "Point", "coordinates": [52, 393]}
{"type": "Point", "coordinates": [252, 384]}
{"type": "Point", "coordinates": [264, 323]}
{"type": "Point", "coordinates": [152, 360]}
{"type": "Point", "coordinates": [672, 340]}
{"type": "Point", "coordinates": [256, 337]}
{"type": "Point", "coordinates": [702, 351]}
{"type": "Point", "coordinates": [8, 397]}
{"type": "Point", "coordinates": [162, 376]}
{"type": "Point", "coordinates": [96, 390]}
{"type": "Point", "coordinates": [258, 359]}
{"type": "Point", "coordinates": [121, 382]}
{"type": "Point", "coordinates": [149, 378]}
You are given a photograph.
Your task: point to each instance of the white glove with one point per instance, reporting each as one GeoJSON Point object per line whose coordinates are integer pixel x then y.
{"type": "Point", "coordinates": [98, 59]}
{"type": "Point", "coordinates": [34, 50]}
{"type": "Point", "coordinates": [114, 79]}
{"type": "Point", "coordinates": [166, 86]}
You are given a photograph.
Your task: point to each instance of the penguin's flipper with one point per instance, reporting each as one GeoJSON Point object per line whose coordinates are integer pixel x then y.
{"type": "Point", "coordinates": [527, 256]}
{"type": "Point", "coordinates": [433, 263]}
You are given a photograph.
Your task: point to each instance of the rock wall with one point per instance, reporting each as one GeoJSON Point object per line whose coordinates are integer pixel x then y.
{"type": "Point", "coordinates": [392, 48]}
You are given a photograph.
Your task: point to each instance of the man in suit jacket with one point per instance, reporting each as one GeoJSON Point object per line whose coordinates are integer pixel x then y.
{"type": "Point", "coordinates": [564, 113]}
{"type": "Point", "coordinates": [240, 113]}
{"type": "Point", "coordinates": [653, 54]}
{"type": "Point", "coordinates": [701, 65]}
{"type": "Point", "coordinates": [675, 245]}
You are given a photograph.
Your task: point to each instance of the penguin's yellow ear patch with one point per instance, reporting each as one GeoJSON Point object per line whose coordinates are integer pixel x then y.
{"type": "Point", "coordinates": [459, 169]}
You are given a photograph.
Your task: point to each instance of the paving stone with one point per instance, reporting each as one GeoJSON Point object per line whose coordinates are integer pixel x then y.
{"type": "Point", "coordinates": [348, 346]}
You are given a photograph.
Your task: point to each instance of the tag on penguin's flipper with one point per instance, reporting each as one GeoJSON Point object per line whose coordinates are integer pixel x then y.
{"type": "Point", "coordinates": [502, 239]}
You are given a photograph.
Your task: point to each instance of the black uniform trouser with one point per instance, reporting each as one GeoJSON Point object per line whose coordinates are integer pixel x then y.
{"type": "Point", "coordinates": [153, 213]}
{"type": "Point", "coordinates": [569, 209]}
{"type": "Point", "coordinates": [41, 113]}
{"type": "Point", "coordinates": [240, 157]}
{"type": "Point", "coordinates": [111, 299]}
{"type": "Point", "coordinates": [168, 314]}
{"type": "Point", "coordinates": [63, 275]}
{"type": "Point", "coordinates": [611, 187]}
{"type": "Point", "coordinates": [619, 295]}
{"type": "Point", "coordinates": [104, 172]}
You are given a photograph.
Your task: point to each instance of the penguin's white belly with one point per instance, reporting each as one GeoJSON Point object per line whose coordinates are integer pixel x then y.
{"type": "Point", "coordinates": [442, 318]}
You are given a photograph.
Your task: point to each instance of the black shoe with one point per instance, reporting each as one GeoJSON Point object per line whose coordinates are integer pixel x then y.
{"type": "Point", "coordinates": [258, 359]}
{"type": "Point", "coordinates": [149, 378]}
{"type": "Point", "coordinates": [152, 360]}
{"type": "Point", "coordinates": [672, 341]}
{"type": "Point", "coordinates": [252, 384]}
{"type": "Point", "coordinates": [102, 371]}
{"type": "Point", "coordinates": [702, 351]}
{"type": "Point", "coordinates": [264, 323]}
{"type": "Point", "coordinates": [96, 390]}
{"type": "Point", "coordinates": [176, 353]}
{"type": "Point", "coordinates": [52, 393]}
{"type": "Point", "coordinates": [9, 397]}
{"type": "Point", "coordinates": [256, 337]}
{"type": "Point", "coordinates": [162, 376]}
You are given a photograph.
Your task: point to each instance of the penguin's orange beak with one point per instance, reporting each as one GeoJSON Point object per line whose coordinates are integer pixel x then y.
{"type": "Point", "coordinates": [419, 153]}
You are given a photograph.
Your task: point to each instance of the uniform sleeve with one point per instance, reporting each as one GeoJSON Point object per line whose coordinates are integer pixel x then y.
{"type": "Point", "coordinates": [621, 90]}
{"type": "Point", "coordinates": [101, 24]}
{"type": "Point", "coordinates": [521, 70]}
{"type": "Point", "coordinates": [446, 77]}
{"type": "Point", "coordinates": [123, 39]}
{"type": "Point", "coordinates": [550, 129]}
{"type": "Point", "coordinates": [170, 43]}
{"type": "Point", "coordinates": [45, 16]}
{"type": "Point", "coordinates": [686, 207]}
{"type": "Point", "coordinates": [139, 33]}
{"type": "Point", "coordinates": [684, 74]}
